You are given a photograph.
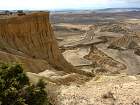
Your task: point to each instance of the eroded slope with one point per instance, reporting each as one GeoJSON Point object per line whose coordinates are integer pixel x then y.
{"type": "Point", "coordinates": [30, 36]}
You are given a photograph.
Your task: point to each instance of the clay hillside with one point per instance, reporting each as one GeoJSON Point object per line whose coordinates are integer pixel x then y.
{"type": "Point", "coordinates": [29, 39]}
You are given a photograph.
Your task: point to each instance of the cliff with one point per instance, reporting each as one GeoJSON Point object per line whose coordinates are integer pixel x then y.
{"type": "Point", "coordinates": [31, 36]}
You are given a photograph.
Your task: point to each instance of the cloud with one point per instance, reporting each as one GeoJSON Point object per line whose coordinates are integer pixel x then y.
{"type": "Point", "coordinates": [51, 4]}
{"type": "Point", "coordinates": [66, 4]}
{"type": "Point", "coordinates": [127, 1]}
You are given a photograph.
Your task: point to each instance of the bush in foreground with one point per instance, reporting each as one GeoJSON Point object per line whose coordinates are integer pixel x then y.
{"type": "Point", "coordinates": [15, 88]}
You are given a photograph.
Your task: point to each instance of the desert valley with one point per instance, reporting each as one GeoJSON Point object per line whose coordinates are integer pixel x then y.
{"type": "Point", "coordinates": [86, 57]}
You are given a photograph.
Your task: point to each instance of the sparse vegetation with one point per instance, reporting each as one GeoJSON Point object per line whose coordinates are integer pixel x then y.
{"type": "Point", "coordinates": [15, 88]}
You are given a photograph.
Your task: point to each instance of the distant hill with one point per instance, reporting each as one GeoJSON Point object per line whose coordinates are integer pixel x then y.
{"type": "Point", "coordinates": [107, 10]}
{"type": "Point", "coordinates": [112, 10]}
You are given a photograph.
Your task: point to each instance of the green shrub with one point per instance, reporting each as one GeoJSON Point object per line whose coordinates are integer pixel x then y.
{"type": "Point", "coordinates": [15, 88]}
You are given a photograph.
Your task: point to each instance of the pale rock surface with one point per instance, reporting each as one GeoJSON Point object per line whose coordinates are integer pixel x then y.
{"type": "Point", "coordinates": [102, 90]}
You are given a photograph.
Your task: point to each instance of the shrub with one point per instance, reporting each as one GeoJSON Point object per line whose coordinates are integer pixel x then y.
{"type": "Point", "coordinates": [15, 88]}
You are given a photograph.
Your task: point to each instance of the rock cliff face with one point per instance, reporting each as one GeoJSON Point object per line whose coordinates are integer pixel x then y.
{"type": "Point", "coordinates": [30, 36]}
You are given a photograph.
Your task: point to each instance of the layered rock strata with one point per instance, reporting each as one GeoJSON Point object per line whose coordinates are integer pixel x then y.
{"type": "Point", "coordinates": [31, 36]}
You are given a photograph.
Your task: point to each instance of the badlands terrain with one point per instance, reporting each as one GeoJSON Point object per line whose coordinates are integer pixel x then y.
{"type": "Point", "coordinates": [85, 57]}
{"type": "Point", "coordinates": [108, 41]}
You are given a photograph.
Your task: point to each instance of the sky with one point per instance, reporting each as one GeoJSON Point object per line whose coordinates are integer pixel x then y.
{"type": "Point", "coordinates": [66, 4]}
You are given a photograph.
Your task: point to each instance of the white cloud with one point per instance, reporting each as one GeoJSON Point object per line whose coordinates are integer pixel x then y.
{"type": "Point", "coordinates": [49, 4]}
{"type": "Point", "coordinates": [59, 4]}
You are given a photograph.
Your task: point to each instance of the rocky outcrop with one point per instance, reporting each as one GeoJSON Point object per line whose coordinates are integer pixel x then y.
{"type": "Point", "coordinates": [125, 42]}
{"type": "Point", "coordinates": [31, 36]}
{"type": "Point", "coordinates": [101, 59]}
{"type": "Point", "coordinates": [137, 51]}
{"type": "Point", "coordinates": [116, 28]}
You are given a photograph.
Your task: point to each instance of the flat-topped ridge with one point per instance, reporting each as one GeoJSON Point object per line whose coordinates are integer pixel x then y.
{"type": "Point", "coordinates": [21, 17]}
